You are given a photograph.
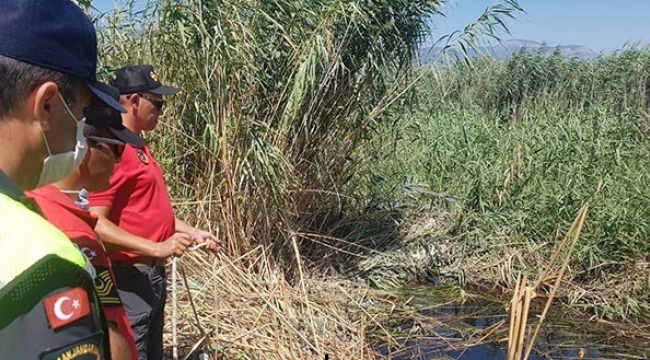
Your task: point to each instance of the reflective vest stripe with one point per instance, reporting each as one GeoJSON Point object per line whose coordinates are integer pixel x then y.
{"type": "Point", "coordinates": [25, 237]}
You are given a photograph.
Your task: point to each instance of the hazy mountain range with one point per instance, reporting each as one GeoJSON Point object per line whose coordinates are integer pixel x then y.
{"type": "Point", "coordinates": [509, 47]}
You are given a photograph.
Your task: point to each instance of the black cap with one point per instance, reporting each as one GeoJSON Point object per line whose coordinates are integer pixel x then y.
{"type": "Point", "coordinates": [107, 117]}
{"type": "Point", "coordinates": [55, 35]}
{"type": "Point", "coordinates": [140, 79]}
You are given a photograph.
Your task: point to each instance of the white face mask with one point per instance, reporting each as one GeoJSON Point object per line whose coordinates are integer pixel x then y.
{"type": "Point", "coordinates": [60, 166]}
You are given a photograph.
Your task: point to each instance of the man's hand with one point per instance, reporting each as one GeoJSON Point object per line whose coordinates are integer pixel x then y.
{"type": "Point", "coordinates": [201, 236]}
{"type": "Point", "coordinates": [174, 245]}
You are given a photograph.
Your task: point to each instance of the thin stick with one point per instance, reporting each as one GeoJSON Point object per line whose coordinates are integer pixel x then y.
{"type": "Point", "coordinates": [528, 294]}
{"type": "Point", "coordinates": [174, 310]}
{"type": "Point", "coordinates": [196, 314]}
{"type": "Point", "coordinates": [579, 221]}
{"type": "Point", "coordinates": [551, 262]}
{"type": "Point", "coordinates": [489, 331]}
{"type": "Point", "coordinates": [196, 346]}
{"type": "Point", "coordinates": [514, 309]}
{"type": "Point", "coordinates": [294, 242]}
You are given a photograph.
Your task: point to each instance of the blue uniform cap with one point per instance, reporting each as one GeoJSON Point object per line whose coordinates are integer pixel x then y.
{"type": "Point", "coordinates": [52, 34]}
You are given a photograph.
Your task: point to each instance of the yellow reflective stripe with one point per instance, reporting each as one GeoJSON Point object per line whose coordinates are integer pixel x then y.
{"type": "Point", "coordinates": [25, 237]}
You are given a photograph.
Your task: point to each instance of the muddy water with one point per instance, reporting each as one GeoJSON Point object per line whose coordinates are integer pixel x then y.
{"type": "Point", "coordinates": [476, 329]}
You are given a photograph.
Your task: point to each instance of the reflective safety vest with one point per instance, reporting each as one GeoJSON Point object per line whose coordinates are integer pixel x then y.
{"type": "Point", "coordinates": [48, 306]}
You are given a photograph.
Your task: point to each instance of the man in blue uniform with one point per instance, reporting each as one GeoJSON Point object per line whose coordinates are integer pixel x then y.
{"type": "Point", "coordinates": [48, 56]}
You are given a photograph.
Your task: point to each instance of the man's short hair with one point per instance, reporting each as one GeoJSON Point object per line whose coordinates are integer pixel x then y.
{"type": "Point", "coordinates": [19, 79]}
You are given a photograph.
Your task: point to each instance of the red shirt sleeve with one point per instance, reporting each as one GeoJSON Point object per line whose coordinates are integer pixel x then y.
{"type": "Point", "coordinates": [89, 246]}
{"type": "Point", "coordinates": [118, 316]}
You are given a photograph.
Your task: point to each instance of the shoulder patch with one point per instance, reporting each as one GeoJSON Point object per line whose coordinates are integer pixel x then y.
{"type": "Point", "coordinates": [142, 156]}
{"type": "Point", "coordinates": [90, 253]}
{"type": "Point", "coordinates": [66, 307]}
{"type": "Point", "coordinates": [106, 289]}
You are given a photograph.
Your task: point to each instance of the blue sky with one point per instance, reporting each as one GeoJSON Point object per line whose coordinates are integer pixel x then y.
{"type": "Point", "coordinates": [599, 24]}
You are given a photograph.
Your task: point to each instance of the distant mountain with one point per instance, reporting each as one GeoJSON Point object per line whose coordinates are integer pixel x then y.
{"type": "Point", "coordinates": [509, 47]}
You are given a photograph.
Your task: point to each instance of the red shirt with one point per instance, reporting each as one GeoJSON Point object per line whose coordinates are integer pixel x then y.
{"type": "Point", "coordinates": [138, 199]}
{"type": "Point", "coordinates": [78, 225]}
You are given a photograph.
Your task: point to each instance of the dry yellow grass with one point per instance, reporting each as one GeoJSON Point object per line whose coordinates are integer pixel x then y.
{"type": "Point", "coordinates": [245, 309]}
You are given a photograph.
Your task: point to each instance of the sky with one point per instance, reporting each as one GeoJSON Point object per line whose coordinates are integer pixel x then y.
{"type": "Point", "coordinates": [598, 24]}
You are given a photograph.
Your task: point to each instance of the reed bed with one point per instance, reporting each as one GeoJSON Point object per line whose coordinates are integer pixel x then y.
{"type": "Point", "coordinates": [299, 120]}
{"type": "Point", "coordinates": [426, 249]}
{"type": "Point", "coordinates": [237, 312]}
{"type": "Point", "coordinates": [509, 186]}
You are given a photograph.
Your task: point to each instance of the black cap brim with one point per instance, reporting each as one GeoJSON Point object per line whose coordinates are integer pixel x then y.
{"type": "Point", "coordinates": [164, 90]}
{"type": "Point", "coordinates": [103, 95]}
{"type": "Point", "coordinates": [128, 137]}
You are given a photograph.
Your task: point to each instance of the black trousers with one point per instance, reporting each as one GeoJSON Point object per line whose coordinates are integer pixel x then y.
{"type": "Point", "coordinates": [143, 291]}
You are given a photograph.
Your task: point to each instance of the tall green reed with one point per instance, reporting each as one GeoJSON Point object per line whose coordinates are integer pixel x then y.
{"type": "Point", "coordinates": [518, 146]}
{"type": "Point", "coordinates": [530, 79]}
{"type": "Point", "coordinates": [276, 97]}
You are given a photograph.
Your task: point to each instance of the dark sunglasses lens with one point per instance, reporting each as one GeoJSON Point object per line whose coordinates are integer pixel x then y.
{"type": "Point", "coordinates": [156, 101]}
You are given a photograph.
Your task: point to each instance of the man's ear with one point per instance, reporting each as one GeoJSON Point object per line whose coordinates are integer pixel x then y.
{"type": "Point", "coordinates": [43, 103]}
{"type": "Point", "coordinates": [134, 100]}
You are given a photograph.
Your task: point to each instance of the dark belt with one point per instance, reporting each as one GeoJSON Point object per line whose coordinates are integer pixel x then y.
{"type": "Point", "coordinates": [140, 261]}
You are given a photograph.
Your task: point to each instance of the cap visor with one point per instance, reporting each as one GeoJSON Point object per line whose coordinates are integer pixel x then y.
{"type": "Point", "coordinates": [104, 96]}
{"type": "Point", "coordinates": [129, 137]}
{"type": "Point", "coordinates": [165, 90]}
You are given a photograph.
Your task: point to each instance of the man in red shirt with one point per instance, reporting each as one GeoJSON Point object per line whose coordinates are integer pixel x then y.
{"type": "Point", "coordinates": [136, 218]}
{"type": "Point", "coordinates": [65, 205]}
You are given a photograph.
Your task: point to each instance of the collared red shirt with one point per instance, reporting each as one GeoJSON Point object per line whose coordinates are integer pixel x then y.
{"type": "Point", "coordinates": [138, 199]}
{"type": "Point", "coordinates": [78, 224]}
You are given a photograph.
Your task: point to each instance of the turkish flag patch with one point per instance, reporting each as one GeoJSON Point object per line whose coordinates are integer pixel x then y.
{"type": "Point", "coordinates": [66, 307]}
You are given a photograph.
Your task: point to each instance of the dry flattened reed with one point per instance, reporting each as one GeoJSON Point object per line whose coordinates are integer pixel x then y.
{"type": "Point", "coordinates": [425, 246]}
{"type": "Point", "coordinates": [252, 312]}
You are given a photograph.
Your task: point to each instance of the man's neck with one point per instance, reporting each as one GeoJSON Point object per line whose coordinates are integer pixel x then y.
{"type": "Point", "coordinates": [69, 186]}
{"type": "Point", "coordinates": [20, 162]}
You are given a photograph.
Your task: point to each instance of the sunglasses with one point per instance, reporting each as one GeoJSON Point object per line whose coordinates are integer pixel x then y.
{"type": "Point", "coordinates": [117, 146]}
{"type": "Point", "coordinates": [156, 101]}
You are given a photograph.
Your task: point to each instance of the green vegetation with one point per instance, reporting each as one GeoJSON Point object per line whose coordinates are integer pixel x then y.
{"type": "Point", "coordinates": [306, 140]}
{"type": "Point", "coordinates": [513, 149]}
{"type": "Point", "coordinates": [277, 97]}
